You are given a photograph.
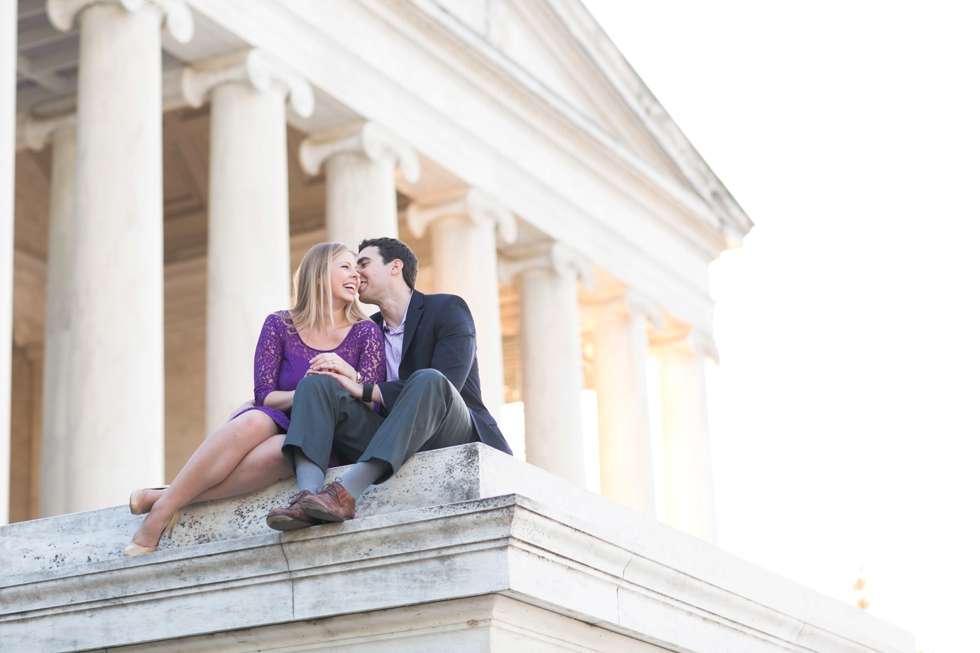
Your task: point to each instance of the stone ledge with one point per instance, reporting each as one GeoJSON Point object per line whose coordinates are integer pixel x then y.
{"type": "Point", "coordinates": [512, 530]}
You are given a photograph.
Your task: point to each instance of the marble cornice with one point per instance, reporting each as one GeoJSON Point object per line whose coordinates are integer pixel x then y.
{"type": "Point", "coordinates": [360, 79]}
{"type": "Point", "coordinates": [506, 545]}
{"type": "Point", "coordinates": [634, 92]}
{"type": "Point", "coordinates": [510, 87]}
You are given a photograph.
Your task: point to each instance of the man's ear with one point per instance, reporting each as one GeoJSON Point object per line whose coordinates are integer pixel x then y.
{"type": "Point", "coordinates": [396, 267]}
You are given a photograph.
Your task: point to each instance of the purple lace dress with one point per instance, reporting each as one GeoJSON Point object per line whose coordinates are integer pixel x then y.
{"type": "Point", "coordinates": [282, 359]}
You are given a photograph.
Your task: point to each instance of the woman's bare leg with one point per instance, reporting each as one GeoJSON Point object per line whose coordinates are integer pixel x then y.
{"type": "Point", "coordinates": [263, 466]}
{"type": "Point", "coordinates": [217, 457]}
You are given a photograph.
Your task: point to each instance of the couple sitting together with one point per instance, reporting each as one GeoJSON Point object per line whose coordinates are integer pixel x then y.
{"type": "Point", "coordinates": [331, 389]}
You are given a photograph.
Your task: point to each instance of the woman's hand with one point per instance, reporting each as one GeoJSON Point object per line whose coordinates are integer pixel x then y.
{"type": "Point", "coordinates": [333, 364]}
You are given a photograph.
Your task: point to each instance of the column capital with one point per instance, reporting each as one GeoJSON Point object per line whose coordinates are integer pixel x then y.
{"type": "Point", "coordinates": [34, 132]}
{"type": "Point", "coordinates": [474, 204]}
{"type": "Point", "coordinates": [557, 257]}
{"type": "Point", "coordinates": [175, 13]}
{"type": "Point", "coordinates": [369, 138]}
{"type": "Point", "coordinates": [693, 341]}
{"type": "Point", "coordinates": [630, 303]}
{"type": "Point", "coordinates": [641, 305]}
{"type": "Point", "coordinates": [249, 66]}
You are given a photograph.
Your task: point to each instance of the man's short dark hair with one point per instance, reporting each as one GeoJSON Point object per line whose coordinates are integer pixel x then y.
{"type": "Point", "coordinates": [391, 249]}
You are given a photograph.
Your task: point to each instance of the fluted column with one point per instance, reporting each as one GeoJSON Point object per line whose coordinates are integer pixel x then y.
{"type": "Point", "coordinates": [61, 132]}
{"type": "Point", "coordinates": [248, 211]}
{"type": "Point", "coordinates": [551, 357]}
{"type": "Point", "coordinates": [115, 367]}
{"type": "Point", "coordinates": [625, 446]}
{"type": "Point", "coordinates": [8, 99]}
{"type": "Point", "coordinates": [360, 170]}
{"type": "Point", "coordinates": [464, 253]}
{"type": "Point", "coordinates": [688, 478]}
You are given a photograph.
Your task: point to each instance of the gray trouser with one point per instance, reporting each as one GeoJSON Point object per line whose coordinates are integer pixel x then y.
{"type": "Point", "coordinates": [429, 414]}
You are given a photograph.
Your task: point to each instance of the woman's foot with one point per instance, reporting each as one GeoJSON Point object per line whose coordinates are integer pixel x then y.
{"type": "Point", "coordinates": [136, 548]}
{"type": "Point", "coordinates": [141, 501]}
{"type": "Point", "coordinates": [152, 529]}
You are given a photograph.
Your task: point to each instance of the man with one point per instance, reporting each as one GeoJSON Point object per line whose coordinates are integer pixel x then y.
{"type": "Point", "coordinates": [430, 400]}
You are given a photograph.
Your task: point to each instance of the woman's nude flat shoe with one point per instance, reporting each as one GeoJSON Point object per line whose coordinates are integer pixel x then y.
{"type": "Point", "coordinates": [135, 549]}
{"type": "Point", "coordinates": [136, 499]}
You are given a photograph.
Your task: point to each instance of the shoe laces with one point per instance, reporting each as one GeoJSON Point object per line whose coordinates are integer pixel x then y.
{"type": "Point", "coordinates": [296, 497]}
{"type": "Point", "coordinates": [330, 488]}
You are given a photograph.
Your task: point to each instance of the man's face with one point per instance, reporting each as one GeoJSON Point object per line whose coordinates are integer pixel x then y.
{"type": "Point", "coordinates": [375, 275]}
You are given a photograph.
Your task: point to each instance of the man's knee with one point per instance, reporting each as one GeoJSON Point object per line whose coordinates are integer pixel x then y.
{"type": "Point", "coordinates": [427, 377]}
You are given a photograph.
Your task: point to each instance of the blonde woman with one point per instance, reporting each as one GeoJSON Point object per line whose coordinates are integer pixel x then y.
{"type": "Point", "coordinates": [326, 329]}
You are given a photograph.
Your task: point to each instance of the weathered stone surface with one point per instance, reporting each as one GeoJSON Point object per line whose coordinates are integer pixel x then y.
{"type": "Point", "coordinates": [453, 524]}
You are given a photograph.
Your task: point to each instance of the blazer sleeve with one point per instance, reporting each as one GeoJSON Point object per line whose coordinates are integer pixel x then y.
{"type": "Point", "coordinates": [454, 350]}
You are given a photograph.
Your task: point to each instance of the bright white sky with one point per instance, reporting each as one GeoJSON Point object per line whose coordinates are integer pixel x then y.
{"type": "Point", "coordinates": [845, 412]}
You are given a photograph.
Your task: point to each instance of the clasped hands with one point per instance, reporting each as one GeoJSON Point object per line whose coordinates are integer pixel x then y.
{"type": "Point", "coordinates": [330, 364]}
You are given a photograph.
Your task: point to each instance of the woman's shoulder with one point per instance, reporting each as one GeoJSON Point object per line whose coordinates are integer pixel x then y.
{"type": "Point", "coordinates": [280, 321]}
{"type": "Point", "coordinates": [366, 328]}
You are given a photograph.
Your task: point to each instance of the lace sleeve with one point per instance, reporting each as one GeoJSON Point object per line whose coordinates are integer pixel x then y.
{"type": "Point", "coordinates": [371, 362]}
{"type": "Point", "coordinates": [269, 354]}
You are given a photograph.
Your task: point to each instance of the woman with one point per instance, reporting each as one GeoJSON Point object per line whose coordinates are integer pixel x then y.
{"type": "Point", "coordinates": [326, 329]}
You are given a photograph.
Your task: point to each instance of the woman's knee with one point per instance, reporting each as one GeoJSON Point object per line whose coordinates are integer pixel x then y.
{"type": "Point", "coordinates": [269, 453]}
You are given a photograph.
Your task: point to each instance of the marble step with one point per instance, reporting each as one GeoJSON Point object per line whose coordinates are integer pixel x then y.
{"type": "Point", "coordinates": [432, 478]}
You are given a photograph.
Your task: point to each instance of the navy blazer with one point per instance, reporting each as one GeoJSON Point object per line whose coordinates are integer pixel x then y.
{"type": "Point", "coordinates": [440, 335]}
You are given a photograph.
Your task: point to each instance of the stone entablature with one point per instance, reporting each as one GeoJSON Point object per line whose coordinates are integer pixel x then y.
{"type": "Point", "coordinates": [478, 543]}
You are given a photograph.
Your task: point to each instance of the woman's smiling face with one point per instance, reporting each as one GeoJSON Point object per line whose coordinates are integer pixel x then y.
{"type": "Point", "coordinates": [344, 279]}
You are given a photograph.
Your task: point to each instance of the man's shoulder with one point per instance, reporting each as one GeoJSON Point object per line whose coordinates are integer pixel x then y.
{"type": "Point", "coordinates": [443, 306]}
{"type": "Point", "coordinates": [438, 300]}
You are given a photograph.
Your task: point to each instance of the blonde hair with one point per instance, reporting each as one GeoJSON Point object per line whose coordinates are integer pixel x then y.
{"type": "Point", "coordinates": [312, 294]}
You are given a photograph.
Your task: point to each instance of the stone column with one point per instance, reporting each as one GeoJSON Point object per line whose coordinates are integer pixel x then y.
{"type": "Point", "coordinates": [115, 367]}
{"type": "Point", "coordinates": [360, 168]}
{"type": "Point", "coordinates": [61, 132]}
{"type": "Point", "coordinates": [688, 479]}
{"type": "Point", "coordinates": [248, 211]}
{"type": "Point", "coordinates": [464, 252]}
{"type": "Point", "coordinates": [8, 101]}
{"type": "Point", "coordinates": [551, 357]}
{"type": "Point", "coordinates": [625, 447]}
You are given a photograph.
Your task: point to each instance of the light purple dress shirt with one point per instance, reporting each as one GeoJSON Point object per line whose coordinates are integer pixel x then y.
{"type": "Point", "coordinates": [394, 340]}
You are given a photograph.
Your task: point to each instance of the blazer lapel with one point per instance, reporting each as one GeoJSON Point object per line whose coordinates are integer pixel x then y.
{"type": "Point", "coordinates": [415, 306]}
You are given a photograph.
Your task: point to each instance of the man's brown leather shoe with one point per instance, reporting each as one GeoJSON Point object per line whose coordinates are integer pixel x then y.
{"type": "Point", "coordinates": [292, 516]}
{"type": "Point", "coordinates": [330, 503]}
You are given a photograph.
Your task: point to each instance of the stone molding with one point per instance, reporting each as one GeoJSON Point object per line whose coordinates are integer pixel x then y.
{"type": "Point", "coordinates": [458, 523]}
{"type": "Point", "coordinates": [253, 67]}
{"type": "Point", "coordinates": [369, 139]}
{"type": "Point", "coordinates": [176, 14]}
{"type": "Point", "coordinates": [475, 204]}
{"type": "Point", "coordinates": [34, 132]}
{"type": "Point", "coordinates": [555, 256]}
